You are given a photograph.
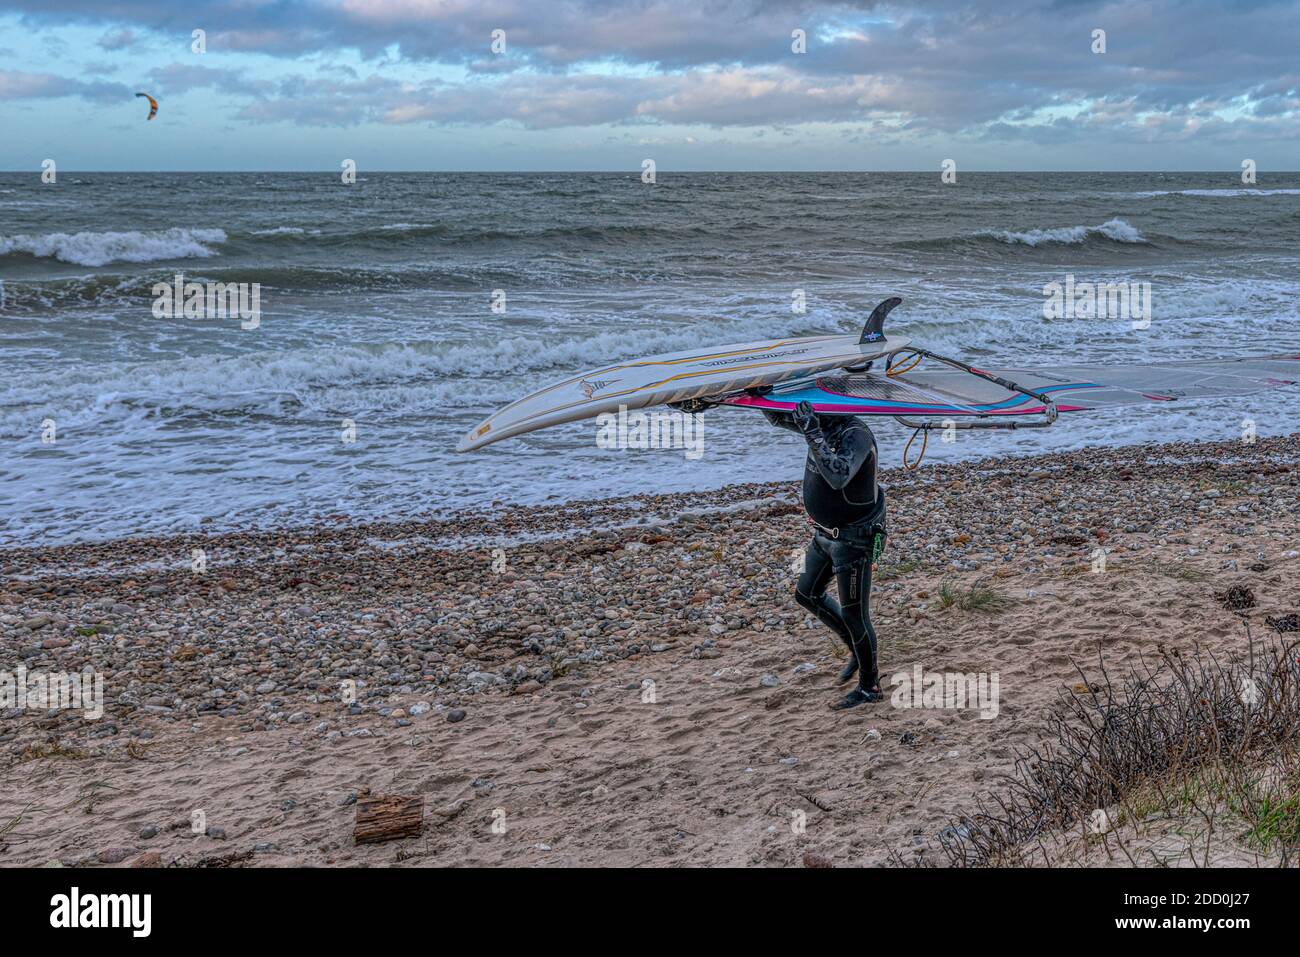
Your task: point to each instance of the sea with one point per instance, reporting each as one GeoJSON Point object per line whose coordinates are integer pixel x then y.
{"type": "Point", "coordinates": [397, 311]}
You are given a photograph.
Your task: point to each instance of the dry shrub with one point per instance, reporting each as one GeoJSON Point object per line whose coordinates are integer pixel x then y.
{"type": "Point", "coordinates": [1181, 733]}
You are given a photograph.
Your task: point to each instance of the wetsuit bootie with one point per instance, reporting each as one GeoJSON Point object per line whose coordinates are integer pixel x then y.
{"type": "Point", "coordinates": [850, 669]}
{"type": "Point", "coordinates": [859, 696]}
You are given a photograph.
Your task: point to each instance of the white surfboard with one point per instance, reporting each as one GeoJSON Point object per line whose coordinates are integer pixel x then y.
{"type": "Point", "coordinates": [705, 373]}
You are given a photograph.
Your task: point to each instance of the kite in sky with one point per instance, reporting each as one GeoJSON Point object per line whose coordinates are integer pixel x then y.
{"type": "Point", "coordinates": [153, 104]}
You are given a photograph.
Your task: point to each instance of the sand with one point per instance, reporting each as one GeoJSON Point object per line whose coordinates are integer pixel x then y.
{"type": "Point", "coordinates": [633, 681]}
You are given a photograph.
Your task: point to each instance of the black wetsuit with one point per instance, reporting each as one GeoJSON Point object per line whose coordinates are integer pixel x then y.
{"type": "Point", "coordinates": [841, 495]}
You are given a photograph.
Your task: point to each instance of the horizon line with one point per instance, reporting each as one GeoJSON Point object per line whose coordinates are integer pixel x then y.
{"type": "Point", "coordinates": [636, 172]}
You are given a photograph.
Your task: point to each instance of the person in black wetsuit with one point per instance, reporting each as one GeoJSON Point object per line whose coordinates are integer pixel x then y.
{"type": "Point", "coordinates": [847, 508]}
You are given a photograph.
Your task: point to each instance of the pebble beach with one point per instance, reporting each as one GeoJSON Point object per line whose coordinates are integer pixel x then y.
{"type": "Point", "coordinates": [616, 682]}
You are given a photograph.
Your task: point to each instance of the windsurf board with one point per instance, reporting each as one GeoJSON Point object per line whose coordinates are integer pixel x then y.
{"type": "Point", "coordinates": [703, 373]}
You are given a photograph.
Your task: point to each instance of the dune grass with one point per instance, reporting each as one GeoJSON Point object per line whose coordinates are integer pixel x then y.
{"type": "Point", "coordinates": [975, 597]}
{"type": "Point", "coordinates": [1186, 738]}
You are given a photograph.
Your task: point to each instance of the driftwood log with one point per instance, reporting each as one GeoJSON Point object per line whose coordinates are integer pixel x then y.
{"type": "Point", "coordinates": [388, 817]}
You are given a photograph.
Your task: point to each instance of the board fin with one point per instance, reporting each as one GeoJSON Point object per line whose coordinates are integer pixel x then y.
{"type": "Point", "coordinates": [873, 331]}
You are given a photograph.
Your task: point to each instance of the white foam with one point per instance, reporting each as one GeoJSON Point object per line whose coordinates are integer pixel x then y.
{"type": "Point", "coordinates": [1114, 229]}
{"type": "Point", "coordinates": [101, 248]}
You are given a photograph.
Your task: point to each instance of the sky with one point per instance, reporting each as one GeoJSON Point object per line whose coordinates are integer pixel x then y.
{"type": "Point", "coordinates": [691, 84]}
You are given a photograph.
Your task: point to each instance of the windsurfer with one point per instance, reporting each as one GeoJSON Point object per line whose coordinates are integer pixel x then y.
{"type": "Point", "coordinates": [846, 507]}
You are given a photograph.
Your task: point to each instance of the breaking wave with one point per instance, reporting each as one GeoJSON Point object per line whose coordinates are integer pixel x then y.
{"type": "Point", "coordinates": [101, 248]}
{"type": "Point", "coordinates": [1116, 230]}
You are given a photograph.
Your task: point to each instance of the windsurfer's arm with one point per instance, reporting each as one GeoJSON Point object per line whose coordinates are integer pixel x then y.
{"type": "Point", "coordinates": [853, 449]}
{"type": "Point", "coordinates": [837, 465]}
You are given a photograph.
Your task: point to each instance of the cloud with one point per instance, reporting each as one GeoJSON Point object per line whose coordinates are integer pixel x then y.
{"type": "Point", "coordinates": [119, 39]}
{"type": "Point", "coordinates": [180, 78]}
{"type": "Point", "coordinates": [17, 85]}
{"type": "Point", "coordinates": [734, 97]}
{"type": "Point", "coordinates": [751, 97]}
{"type": "Point", "coordinates": [1012, 69]}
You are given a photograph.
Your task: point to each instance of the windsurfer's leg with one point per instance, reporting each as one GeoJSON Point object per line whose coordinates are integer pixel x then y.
{"type": "Point", "coordinates": [811, 594]}
{"type": "Point", "coordinates": [853, 575]}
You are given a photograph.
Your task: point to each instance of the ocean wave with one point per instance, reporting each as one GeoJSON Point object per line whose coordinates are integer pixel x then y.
{"type": "Point", "coordinates": [112, 286]}
{"type": "Point", "coordinates": [99, 289]}
{"type": "Point", "coordinates": [1217, 192]}
{"type": "Point", "coordinates": [1115, 230]}
{"type": "Point", "coordinates": [387, 233]}
{"type": "Point", "coordinates": [469, 233]}
{"type": "Point", "coordinates": [392, 379]}
{"type": "Point", "coordinates": [286, 231]}
{"type": "Point", "coordinates": [101, 248]}
{"type": "Point", "coordinates": [382, 229]}
{"type": "Point", "coordinates": [569, 356]}
{"type": "Point", "coordinates": [285, 385]}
